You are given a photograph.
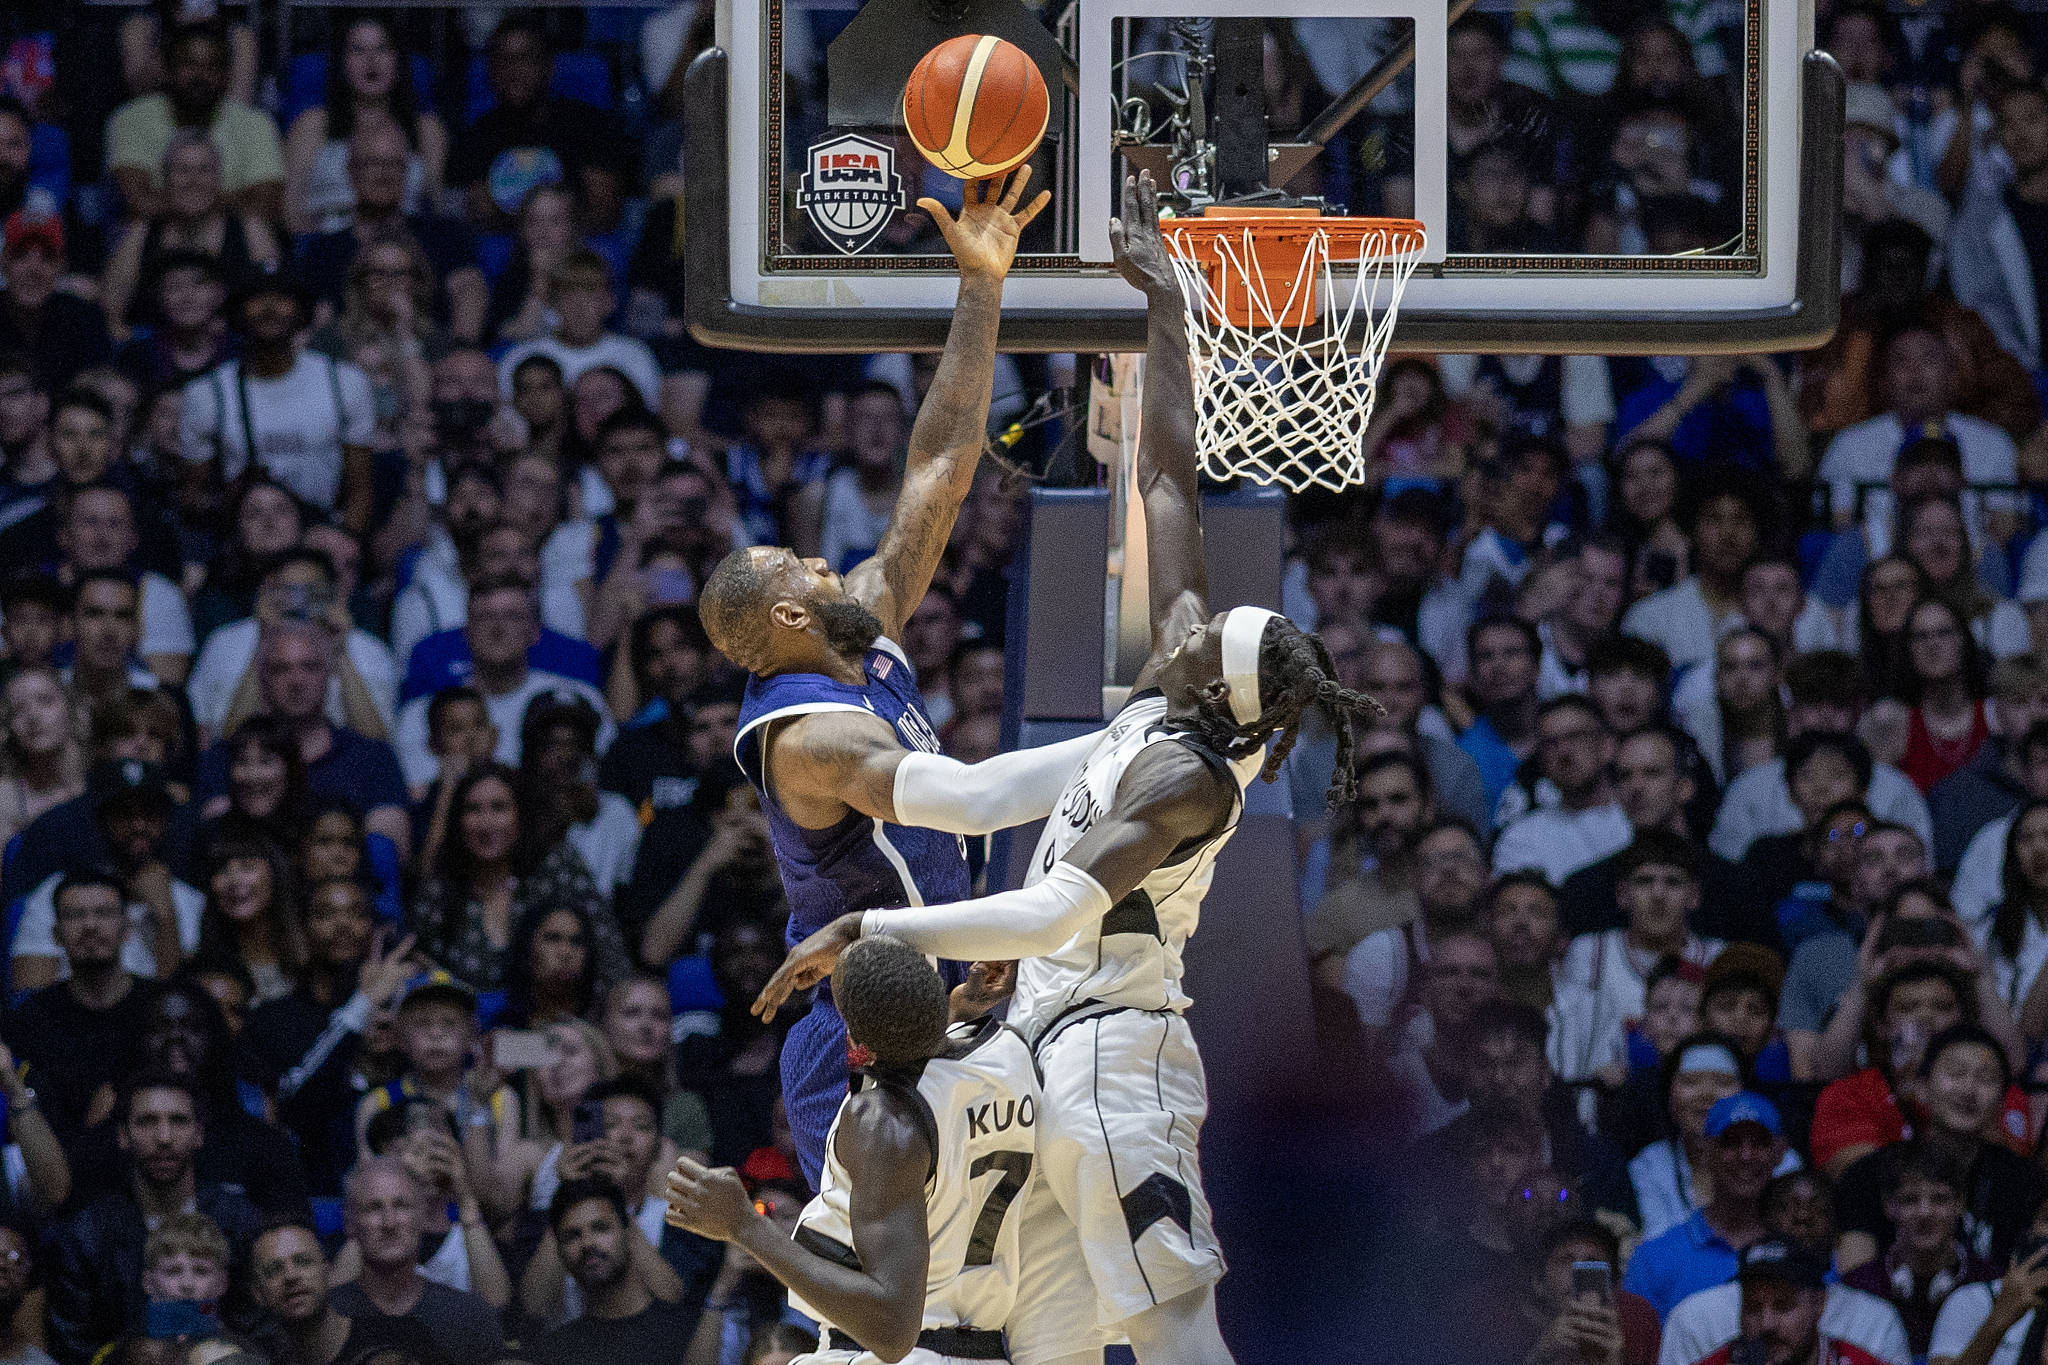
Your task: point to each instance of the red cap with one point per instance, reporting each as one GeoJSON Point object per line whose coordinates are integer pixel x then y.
{"type": "Point", "coordinates": [767, 1164]}
{"type": "Point", "coordinates": [26, 228]}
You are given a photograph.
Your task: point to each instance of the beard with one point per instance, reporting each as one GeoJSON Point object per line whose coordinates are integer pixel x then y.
{"type": "Point", "coordinates": [850, 628]}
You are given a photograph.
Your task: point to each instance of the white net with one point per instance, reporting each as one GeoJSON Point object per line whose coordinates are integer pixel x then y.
{"type": "Point", "coordinates": [1277, 401]}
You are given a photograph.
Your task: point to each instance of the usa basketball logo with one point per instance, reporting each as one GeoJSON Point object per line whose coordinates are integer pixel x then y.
{"type": "Point", "coordinates": [851, 190]}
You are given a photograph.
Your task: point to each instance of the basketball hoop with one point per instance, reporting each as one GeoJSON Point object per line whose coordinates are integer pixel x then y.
{"type": "Point", "coordinates": [1286, 353]}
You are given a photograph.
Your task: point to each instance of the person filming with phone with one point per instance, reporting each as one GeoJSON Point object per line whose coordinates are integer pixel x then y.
{"type": "Point", "coordinates": [1586, 1319]}
{"type": "Point", "coordinates": [2000, 1322]}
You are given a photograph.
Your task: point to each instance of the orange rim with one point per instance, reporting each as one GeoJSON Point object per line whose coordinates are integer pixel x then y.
{"type": "Point", "coordinates": [1278, 239]}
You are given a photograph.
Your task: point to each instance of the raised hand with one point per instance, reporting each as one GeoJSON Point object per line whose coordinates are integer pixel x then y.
{"type": "Point", "coordinates": [984, 237]}
{"type": "Point", "coordinates": [1138, 245]}
{"type": "Point", "coordinates": [988, 984]}
{"type": "Point", "coordinates": [807, 964]}
{"type": "Point", "coordinates": [708, 1201]}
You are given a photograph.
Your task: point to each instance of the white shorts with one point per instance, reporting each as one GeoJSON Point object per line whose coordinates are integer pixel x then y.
{"type": "Point", "coordinates": [1049, 1321]}
{"type": "Point", "coordinates": [1125, 1097]}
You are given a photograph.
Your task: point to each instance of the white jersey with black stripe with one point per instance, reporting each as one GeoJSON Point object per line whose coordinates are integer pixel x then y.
{"type": "Point", "coordinates": [1132, 956]}
{"type": "Point", "coordinates": [979, 1104]}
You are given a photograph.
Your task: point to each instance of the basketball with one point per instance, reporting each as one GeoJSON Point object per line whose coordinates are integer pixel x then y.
{"type": "Point", "coordinates": [975, 106]}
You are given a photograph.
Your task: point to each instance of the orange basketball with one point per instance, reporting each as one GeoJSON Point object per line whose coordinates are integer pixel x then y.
{"type": "Point", "coordinates": [975, 106]}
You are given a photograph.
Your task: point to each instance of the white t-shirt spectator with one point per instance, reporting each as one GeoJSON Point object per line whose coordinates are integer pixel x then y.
{"type": "Point", "coordinates": [1377, 973]}
{"type": "Point", "coordinates": [609, 841]}
{"type": "Point", "coordinates": [1600, 963]}
{"type": "Point", "coordinates": [1558, 842]}
{"type": "Point", "coordinates": [507, 712]}
{"type": "Point", "coordinates": [299, 422]}
{"type": "Point", "coordinates": [231, 649]}
{"type": "Point", "coordinates": [1679, 619]}
{"type": "Point", "coordinates": [1758, 803]}
{"type": "Point", "coordinates": [1703, 1323]}
{"type": "Point", "coordinates": [1962, 1313]}
{"type": "Point", "coordinates": [1816, 627]}
{"type": "Point", "coordinates": [1866, 452]}
{"type": "Point", "coordinates": [37, 934]}
{"type": "Point", "coordinates": [849, 529]}
{"type": "Point", "coordinates": [624, 354]}
{"type": "Point", "coordinates": [1980, 877]}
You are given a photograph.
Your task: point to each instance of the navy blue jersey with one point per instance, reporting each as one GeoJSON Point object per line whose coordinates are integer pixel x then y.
{"type": "Point", "coordinates": [860, 863]}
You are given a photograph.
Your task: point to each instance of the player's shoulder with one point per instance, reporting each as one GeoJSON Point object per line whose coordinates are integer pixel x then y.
{"type": "Point", "coordinates": [889, 1125]}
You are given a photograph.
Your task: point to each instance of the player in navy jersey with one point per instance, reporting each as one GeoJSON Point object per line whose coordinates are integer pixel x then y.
{"type": "Point", "coordinates": [832, 710]}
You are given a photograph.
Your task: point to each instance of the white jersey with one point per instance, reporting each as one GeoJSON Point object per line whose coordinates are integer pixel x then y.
{"type": "Point", "coordinates": [1132, 956]}
{"type": "Point", "coordinates": [979, 1104]}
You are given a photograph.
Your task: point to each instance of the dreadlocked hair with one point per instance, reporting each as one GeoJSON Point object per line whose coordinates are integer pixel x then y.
{"type": "Point", "coordinates": [1295, 673]}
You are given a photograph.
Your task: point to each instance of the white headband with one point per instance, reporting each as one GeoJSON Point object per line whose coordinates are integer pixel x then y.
{"type": "Point", "coordinates": [1242, 629]}
{"type": "Point", "coordinates": [1707, 1057]}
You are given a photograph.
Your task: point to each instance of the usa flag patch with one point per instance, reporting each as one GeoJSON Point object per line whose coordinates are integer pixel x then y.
{"type": "Point", "coordinates": [883, 665]}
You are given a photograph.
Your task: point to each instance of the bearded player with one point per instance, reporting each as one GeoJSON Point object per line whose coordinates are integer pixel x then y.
{"type": "Point", "coordinates": [863, 811]}
{"type": "Point", "coordinates": [1113, 894]}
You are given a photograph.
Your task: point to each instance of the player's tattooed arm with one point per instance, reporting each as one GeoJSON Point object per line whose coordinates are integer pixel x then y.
{"type": "Point", "coordinates": [887, 1158]}
{"type": "Point", "coordinates": [952, 424]}
{"type": "Point", "coordinates": [821, 764]}
{"type": "Point", "coordinates": [1168, 481]}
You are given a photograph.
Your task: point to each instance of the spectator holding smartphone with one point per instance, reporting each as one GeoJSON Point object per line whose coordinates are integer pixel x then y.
{"type": "Point", "coordinates": [1999, 1322]}
{"type": "Point", "coordinates": [1589, 1320]}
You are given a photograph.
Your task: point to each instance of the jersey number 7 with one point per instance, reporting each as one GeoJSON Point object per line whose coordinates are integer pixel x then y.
{"type": "Point", "coordinates": [1016, 1169]}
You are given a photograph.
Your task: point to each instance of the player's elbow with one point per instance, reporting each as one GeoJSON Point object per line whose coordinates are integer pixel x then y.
{"type": "Point", "coordinates": [898, 1336]}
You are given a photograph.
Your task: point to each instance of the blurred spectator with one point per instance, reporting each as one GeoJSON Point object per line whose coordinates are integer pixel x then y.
{"type": "Point", "coordinates": [195, 97]}
{"type": "Point", "coordinates": [315, 416]}
{"type": "Point", "coordinates": [195, 217]}
{"type": "Point", "coordinates": [1870, 195]}
{"type": "Point", "coordinates": [1374, 859]}
{"type": "Point", "coordinates": [543, 235]}
{"type": "Point", "coordinates": [530, 136]}
{"type": "Point", "coordinates": [1505, 652]}
{"type": "Point", "coordinates": [1963, 1078]}
{"type": "Point", "coordinates": [1744, 1145]}
{"type": "Point", "coordinates": [841, 520]}
{"type": "Point", "coordinates": [1728, 524]}
{"type": "Point", "coordinates": [383, 1220]}
{"type": "Point", "coordinates": [1994, 254]}
{"type": "Point", "coordinates": [501, 629]}
{"type": "Point", "coordinates": [63, 332]}
{"type": "Point", "coordinates": [96, 1285]}
{"type": "Point", "coordinates": [367, 75]}
{"type": "Point", "coordinates": [1575, 749]}
{"type": "Point", "coordinates": [1918, 378]}
{"type": "Point", "coordinates": [188, 334]}
{"type": "Point", "coordinates": [378, 158]}
{"type": "Point", "coordinates": [1839, 387]}
{"type": "Point", "coordinates": [1381, 970]}
{"type": "Point", "coordinates": [490, 872]}
{"type": "Point", "coordinates": [1980, 874]}
{"type": "Point", "coordinates": [582, 298]}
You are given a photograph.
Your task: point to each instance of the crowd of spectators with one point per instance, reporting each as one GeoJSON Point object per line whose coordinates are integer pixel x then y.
{"type": "Point", "coordinates": [383, 905]}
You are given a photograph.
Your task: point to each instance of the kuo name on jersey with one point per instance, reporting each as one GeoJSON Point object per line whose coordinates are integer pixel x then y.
{"type": "Point", "coordinates": [994, 1117]}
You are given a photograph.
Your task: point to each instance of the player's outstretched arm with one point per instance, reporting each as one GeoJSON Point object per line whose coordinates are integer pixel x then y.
{"type": "Point", "coordinates": [1167, 478]}
{"type": "Point", "coordinates": [887, 1159]}
{"type": "Point", "coordinates": [859, 760]}
{"type": "Point", "coordinates": [952, 425]}
{"type": "Point", "coordinates": [1167, 797]}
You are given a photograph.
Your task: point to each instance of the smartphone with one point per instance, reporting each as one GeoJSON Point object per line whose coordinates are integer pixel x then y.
{"type": "Point", "coordinates": [180, 1319]}
{"type": "Point", "coordinates": [519, 1049]}
{"type": "Point", "coordinates": [1916, 931]}
{"type": "Point", "coordinates": [587, 1125]}
{"type": "Point", "coordinates": [1593, 1277]}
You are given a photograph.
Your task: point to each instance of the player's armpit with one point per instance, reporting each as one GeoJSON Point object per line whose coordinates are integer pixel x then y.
{"type": "Point", "coordinates": [887, 1159]}
{"type": "Point", "coordinates": [1167, 797]}
{"type": "Point", "coordinates": [820, 764]}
